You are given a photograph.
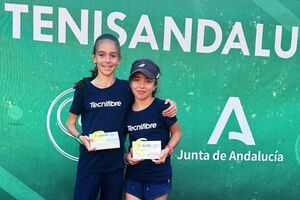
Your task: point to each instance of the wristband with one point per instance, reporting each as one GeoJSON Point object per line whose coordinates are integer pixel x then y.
{"type": "Point", "coordinates": [77, 137]}
{"type": "Point", "coordinates": [170, 149]}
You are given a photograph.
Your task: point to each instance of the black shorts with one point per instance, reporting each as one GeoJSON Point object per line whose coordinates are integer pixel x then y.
{"type": "Point", "coordinates": [110, 185]}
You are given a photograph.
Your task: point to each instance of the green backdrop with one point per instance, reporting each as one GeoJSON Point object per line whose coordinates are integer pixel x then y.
{"type": "Point", "coordinates": [39, 62]}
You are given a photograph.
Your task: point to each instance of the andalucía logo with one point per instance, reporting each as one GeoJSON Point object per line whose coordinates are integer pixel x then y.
{"type": "Point", "coordinates": [245, 136]}
{"type": "Point", "coordinates": [59, 136]}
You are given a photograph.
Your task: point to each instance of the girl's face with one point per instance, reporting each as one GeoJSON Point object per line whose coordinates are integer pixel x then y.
{"type": "Point", "coordinates": [106, 57]}
{"type": "Point", "coordinates": [141, 86]}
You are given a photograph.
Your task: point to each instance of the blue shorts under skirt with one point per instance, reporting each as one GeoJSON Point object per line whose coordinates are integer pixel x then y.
{"type": "Point", "coordinates": [147, 191]}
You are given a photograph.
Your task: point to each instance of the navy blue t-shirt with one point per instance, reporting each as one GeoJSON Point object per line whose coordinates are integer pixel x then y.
{"type": "Point", "coordinates": [147, 170]}
{"type": "Point", "coordinates": [105, 110]}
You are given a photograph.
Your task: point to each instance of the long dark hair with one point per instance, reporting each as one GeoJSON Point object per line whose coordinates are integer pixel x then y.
{"type": "Point", "coordinates": [94, 72]}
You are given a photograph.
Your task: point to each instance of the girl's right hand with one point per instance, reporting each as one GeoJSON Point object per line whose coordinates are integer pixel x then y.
{"type": "Point", "coordinates": [86, 142]}
{"type": "Point", "coordinates": [130, 160]}
{"type": "Point", "coordinates": [163, 156]}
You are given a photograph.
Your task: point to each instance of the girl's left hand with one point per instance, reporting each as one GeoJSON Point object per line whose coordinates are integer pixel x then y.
{"type": "Point", "coordinates": [171, 111]}
{"type": "Point", "coordinates": [162, 159]}
{"type": "Point", "coordinates": [130, 160]}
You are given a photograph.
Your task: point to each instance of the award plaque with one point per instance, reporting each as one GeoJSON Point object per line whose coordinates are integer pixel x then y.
{"type": "Point", "coordinates": [143, 149]}
{"type": "Point", "coordinates": [104, 140]}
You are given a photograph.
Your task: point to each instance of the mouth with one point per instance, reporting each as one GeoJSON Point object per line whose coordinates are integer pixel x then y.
{"type": "Point", "coordinates": [107, 67]}
{"type": "Point", "coordinates": [141, 92]}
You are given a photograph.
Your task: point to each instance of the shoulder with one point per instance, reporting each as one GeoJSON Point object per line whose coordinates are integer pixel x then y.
{"type": "Point", "coordinates": [160, 104]}
{"type": "Point", "coordinates": [84, 88]}
{"type": "Point", "coordinates": [159, 101]}
{"type": "Point", "coordinates": [80, 85]}
{"type": "Point", "coordinates": [124, 84]}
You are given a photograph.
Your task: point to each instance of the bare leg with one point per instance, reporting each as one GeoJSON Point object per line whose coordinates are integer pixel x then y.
{"type": "Point", "coordinates": [164, 197]}
{"type": "Point", "coordinates": [130, 197]}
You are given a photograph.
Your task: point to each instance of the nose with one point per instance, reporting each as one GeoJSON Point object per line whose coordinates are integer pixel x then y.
{"type": "Point", "coordinates": [107, 58]}
{"type": "Point", "coordinates": [142, 84]}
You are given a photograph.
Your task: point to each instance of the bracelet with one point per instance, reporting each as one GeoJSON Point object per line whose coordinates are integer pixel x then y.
{"type": "Point", "coordinates": [170, 149]}
{"type": "Point", "coordinates": [78, 135]}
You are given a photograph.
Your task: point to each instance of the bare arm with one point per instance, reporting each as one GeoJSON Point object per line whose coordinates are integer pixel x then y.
{"type": "Point", "coordinates": [174, 140]}
{"type": "Point", "coordinates": [71, 127]}
{"type": "Point", "coordinates": [176, 135]}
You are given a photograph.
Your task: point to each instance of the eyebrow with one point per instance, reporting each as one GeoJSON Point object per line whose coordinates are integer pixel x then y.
{"type": "Point", "coordinates": [107, 52]}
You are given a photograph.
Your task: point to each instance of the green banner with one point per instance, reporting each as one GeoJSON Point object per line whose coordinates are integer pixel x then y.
{"type": "Point", "coordinates": [231, 66]}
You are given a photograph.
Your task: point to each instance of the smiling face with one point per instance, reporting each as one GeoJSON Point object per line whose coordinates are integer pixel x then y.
{"type": "Point", "coordinates": [141, 86]}
{"type": "Point", "coordinates": [106, 57]}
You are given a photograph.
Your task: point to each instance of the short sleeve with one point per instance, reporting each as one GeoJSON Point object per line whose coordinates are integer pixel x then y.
{"type": "Point", "coordinates": [131, 96]}
{"type": "Point", "coordinates": [77, 104]}
{"type": "Point", "coordinates": [169, 120]}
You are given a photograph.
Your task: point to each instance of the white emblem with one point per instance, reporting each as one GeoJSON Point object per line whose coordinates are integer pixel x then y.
{"type": "Point", "coordinates": [56, 128]}
{"type": "Point", "coordinates": [233, 104]}
{"type": "Point", "coordinates": [142, 65]}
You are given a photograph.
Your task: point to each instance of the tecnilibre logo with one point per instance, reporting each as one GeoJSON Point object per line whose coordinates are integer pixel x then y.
{"type": "Point", "coordinates": [57, 115]}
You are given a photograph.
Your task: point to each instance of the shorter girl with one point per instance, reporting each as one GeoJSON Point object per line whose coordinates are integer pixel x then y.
{"type": "Point", "coordinates": [149, 179]}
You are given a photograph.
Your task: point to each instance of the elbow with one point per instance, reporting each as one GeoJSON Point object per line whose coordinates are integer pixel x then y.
{"type": "Point", "coordinates": [179, 136]}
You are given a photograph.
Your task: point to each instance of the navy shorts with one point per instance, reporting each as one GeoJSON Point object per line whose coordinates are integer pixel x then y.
{"type": "Point", "coordinates": [147, 191]}
{"type": "Point", "coordinates": [109, 184]}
